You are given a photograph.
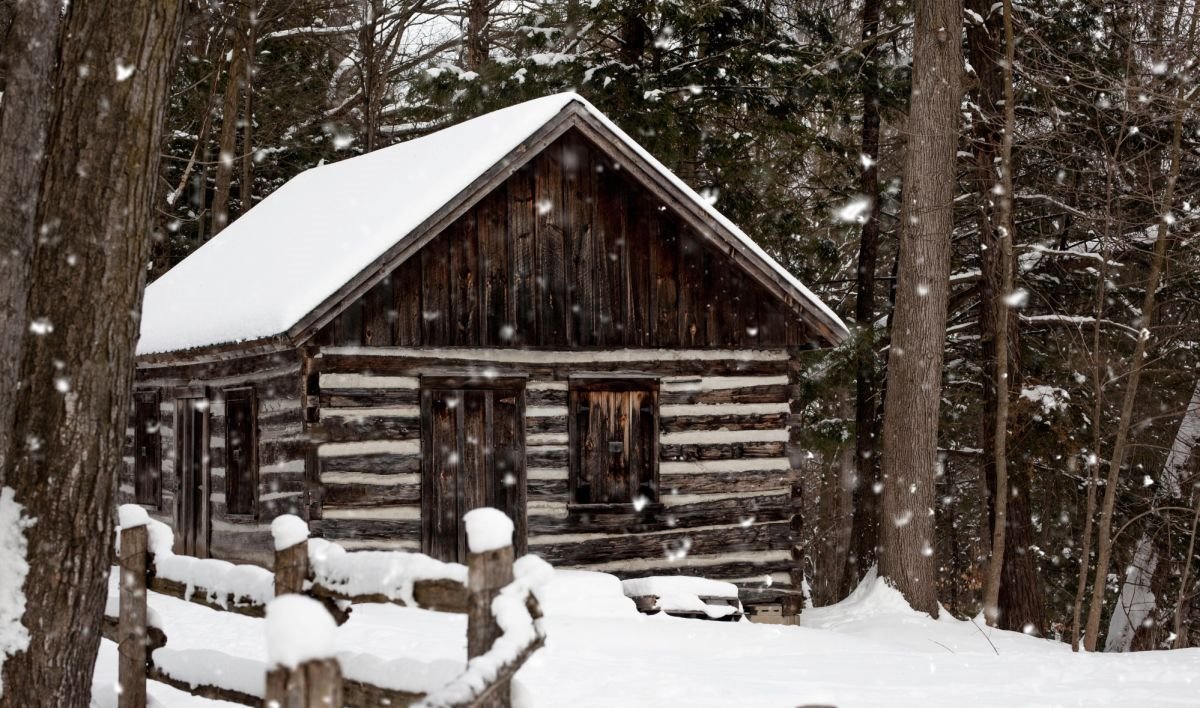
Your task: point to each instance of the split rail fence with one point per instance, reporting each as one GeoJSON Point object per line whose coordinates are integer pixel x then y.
{"type": "Point", "coordinates": [497, 645]}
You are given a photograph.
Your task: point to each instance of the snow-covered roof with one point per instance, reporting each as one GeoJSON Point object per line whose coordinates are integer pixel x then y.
{"type": "Point", "coordinates": [282, 259]}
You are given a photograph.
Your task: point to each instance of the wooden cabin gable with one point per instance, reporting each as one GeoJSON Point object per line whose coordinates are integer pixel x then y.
{"type": "Point", "coordinates": [569, 251]}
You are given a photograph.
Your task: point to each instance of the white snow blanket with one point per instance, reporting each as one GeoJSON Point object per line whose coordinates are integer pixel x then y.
{"type": "Point", "coordinates": [870, 650]}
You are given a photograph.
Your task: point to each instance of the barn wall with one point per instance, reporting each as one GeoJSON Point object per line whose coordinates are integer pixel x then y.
{"type": "Point", "coordinates": [569, 251]}
{"type": "Point", "coordinates": [281, 446]}
{"type": "Point", "coordinates": [725, 475]}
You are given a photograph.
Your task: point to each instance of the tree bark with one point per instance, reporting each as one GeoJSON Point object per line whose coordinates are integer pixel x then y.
{"type": "Point", "coordinates": [865, 525]}
{"type": "Point", "coordinates": [1004, 324]}
{"type": "Point", "coordinates": [478, 15]}
{"type": "Point", "coordinates": [31, 50]}
{"type": "Point", "coordinates": [916, 356]}
{"type": "Point", "coordinates": [1012, 593]}
{"type": "Point", "coordinates": [88, 272]}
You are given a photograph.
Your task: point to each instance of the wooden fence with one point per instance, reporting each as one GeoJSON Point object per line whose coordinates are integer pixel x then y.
{"type": "Point", "coordinates": [484, 684]}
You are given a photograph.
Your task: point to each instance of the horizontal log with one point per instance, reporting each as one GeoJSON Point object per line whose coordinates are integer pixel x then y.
{"type": "Point", "coordinates": [545, 371]}
{"type": "Point", "coordinates": [717, 482]}
{"type": "Point", "coordinates": [215, 693]}
{"type": "Point", "coordinates": [683, 423]}
{"type": "Point", "coordinates": [725, 539]}
{"type": "Point", "coordinates": [379, 463]}
{"type": "Point", "coordinates": [176, 367]}
{"type": "Point", "coordinates": [439, 595]}
{"type": "Point", "coordinates": [759, 594]}
{"type": "Point", "coordinates": [360, 495]}
{"type": "Point", "coordinates": [171, 588]}
{"type": "Point", "coordinates": [537, 457]}
{"type": "Point", "coordinates": [710, 513]}
{"type": "Point", "coordinates": [352, 429]}
{"type": "Point", "coordinates": [546, 425]}
{"type": "Point", "coordinates": [369, 397]}
{"type": "Point", "coordinates": [155, 637]}
{"type": "Point", "coordinates": [774, 393]}
{"type": "Point", "coordinates": [547, 489]}
{"type": "Point", "coordinates": [276, 452]}
{"type": "Point", "coordinates": [733, 569]}
{"type": "Point", "coordinates": [367, 529]}
{"type": "Point", "coordinates": [721, 451]}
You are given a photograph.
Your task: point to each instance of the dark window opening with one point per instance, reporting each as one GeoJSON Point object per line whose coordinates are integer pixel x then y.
{"type": "Point", "coordinates": [147, 449]}
{"type": "Point", "coordinates": [613, 435]}
{"type": "Point", "coordinates": [241, 463]}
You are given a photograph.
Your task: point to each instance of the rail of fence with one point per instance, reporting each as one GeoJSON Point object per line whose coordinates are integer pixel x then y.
{"type": "Point", "coordinates": [493, 590]}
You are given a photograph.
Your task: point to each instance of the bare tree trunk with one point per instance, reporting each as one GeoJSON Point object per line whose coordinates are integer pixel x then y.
{"type": "Point", "coordinates": [227, 149]}
{"type": "Point", "coordinates": [865, 525]}
{"type": "Point", "coordinates": [478, 15]}
{"type": "Point", "coordinates": [999, 305]}
{"type": "Point", "coordinates": [1181, 636]}
{"type": "Point", "coordinates": [31, 49]}
{"type": "Point", "coordinates": [246, 185]}
{"type": "Point", "coordinates": [916, 356]}
{"type": "Point", "coordinates": [1098, 374]}
{"type": "Point", "coordinates": [76, 369]}
{"type": "Point", "coordinates": [1104, 529]}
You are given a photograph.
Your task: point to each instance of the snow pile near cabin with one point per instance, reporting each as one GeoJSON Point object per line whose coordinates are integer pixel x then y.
{"type": "Point", "coordinates": [584, 593]}
{"type": "Point", "coordinates": [682, 593]}
{"type": "Point", "coordinates": [13, 569]}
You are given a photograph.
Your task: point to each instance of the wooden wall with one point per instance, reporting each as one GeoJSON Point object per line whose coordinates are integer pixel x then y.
{"type": "Point", "coordinates": [282, 445]}
{"type": "Point", "coordinates": [725, 477]}
{"type": "Point", "coordinates": [569, 251]}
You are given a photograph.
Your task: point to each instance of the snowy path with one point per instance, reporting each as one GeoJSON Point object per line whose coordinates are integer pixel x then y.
{"type": "Point", "coordinates": [867, 651]}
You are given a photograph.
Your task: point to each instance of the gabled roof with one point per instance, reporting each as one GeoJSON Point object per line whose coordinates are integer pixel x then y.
{"type": "Point", "coordinates": [271, 273]}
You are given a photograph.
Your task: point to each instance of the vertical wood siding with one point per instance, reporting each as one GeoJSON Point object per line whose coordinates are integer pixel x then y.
{"type": "Point", "coordinates": [568, 252]}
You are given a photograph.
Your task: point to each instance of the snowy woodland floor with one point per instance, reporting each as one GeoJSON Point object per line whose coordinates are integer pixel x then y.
{"type": "Point", "coordinates": [870, 650]}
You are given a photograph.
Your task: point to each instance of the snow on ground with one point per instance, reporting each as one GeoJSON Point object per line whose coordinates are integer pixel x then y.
{"type": "Point", "coordinates": [869, 650]}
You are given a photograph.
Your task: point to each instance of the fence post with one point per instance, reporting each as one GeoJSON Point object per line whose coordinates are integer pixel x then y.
{"type": "Point", "coordinates": [304, 672]}
{"type": "Point", "coordinates": [131, 628]}
{"type": "Point", "coordinates": [489, 569]}
{"type": "Point", "coordinates": [291, 554]}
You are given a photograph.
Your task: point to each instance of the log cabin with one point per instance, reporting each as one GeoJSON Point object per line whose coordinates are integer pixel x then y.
{"type": "Point", "coordinates": [527, 311]}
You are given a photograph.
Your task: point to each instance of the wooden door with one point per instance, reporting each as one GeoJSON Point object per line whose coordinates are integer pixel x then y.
{"type": "Point", "coordinates": [613, 436]}
{"type": "Point", "coordinates": [473, 455]}
{"type": "Point", "coordinates": [192, 516]}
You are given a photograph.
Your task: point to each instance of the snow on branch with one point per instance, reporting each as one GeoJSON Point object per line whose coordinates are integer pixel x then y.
{"type": "Point", "coordinates": [1079, 320]}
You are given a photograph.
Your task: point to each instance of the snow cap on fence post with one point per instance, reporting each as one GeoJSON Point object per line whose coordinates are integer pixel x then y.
{"type": "Point", "coordinates": [299, 629]}
{"type": "Point", "coordinates": [288, 530]}
{"type": "Point", "coordinates": [488, 529]}
{"type": "Point", "coordinates": [131, 515]}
